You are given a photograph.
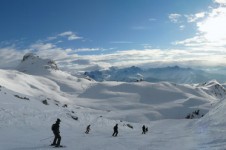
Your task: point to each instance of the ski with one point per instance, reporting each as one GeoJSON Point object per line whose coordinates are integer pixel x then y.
{"type": "Point", "coordinates": [61, 146]}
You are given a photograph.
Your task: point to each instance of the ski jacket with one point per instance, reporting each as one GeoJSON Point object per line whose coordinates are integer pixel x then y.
{"type": "Point", "coordinates": [143, 128]}
{"type": "Point", "coordinates": [115, 128]}
{"type": "Point", "coordinates": [56, 128]}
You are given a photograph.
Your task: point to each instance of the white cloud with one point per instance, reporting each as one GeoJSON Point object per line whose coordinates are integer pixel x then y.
{"type": "Point", "coordinates": [213, 28]}
{"type": "Point", "coordinates": [68, 34]}
{"type": "Point", "coordinates": [174, 17]}
{"type": "Point", "coordinates": [42, 46]}
{"type": "Point", "coordinates": [220, 1]}
{"type": "Point", "coordinates": [165, 57]}
{"type": "Point", "coordinates": [49, 50]}
{"type": "Point", "coordinates": [194, 41]}
{"type": "Point", "coordinates": [147, 46]}
{"type": "Point", "coordinates": [89, 49]}
{"type": "Point", "coordinates": [200, 15]}
{"type": "Point", "coordinates": [68, 60]}
{"type": "Point", "coordinates": [10, 57]}
{"type": "Point", "coordinates": [195, 17]}
{"type": "Point", "coordinates": [210, 30]}
{"type": "Point", "coordinates": [182, 27]}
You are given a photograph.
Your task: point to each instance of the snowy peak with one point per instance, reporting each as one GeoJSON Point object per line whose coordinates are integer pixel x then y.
{"type": "Point", "coordinates": [130, 74]}
{"type": "Point", "coordinates": [33, 64]}
{"type": "Point", "coordinates": [215, 89]}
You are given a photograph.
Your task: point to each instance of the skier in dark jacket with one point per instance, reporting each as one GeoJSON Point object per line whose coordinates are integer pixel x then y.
{"type": "Point", "coordinates": [143, 129]}
{"type": "Point", "coordinates": [87, 129]}
{"type": "Point", "coordinates": [115, 130]}
{"type": "Point", "coordinates": [56, 132]}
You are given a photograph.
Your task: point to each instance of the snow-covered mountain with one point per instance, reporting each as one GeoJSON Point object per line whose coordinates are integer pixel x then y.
{"type": "Point", "coordinates": [170, 74]}
{"type": "Point", "coordinates": [31, 100]}
{"type": "Point", "coordinates": [32, 64]}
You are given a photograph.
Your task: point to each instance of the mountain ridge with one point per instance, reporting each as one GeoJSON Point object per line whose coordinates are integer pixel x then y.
{"type": "Point", "coordinates": [174, 74]}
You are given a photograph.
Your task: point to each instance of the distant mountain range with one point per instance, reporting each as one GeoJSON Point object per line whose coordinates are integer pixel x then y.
{"type": "Point", "coordinates": [174, 74]}
{"type": "Point", "coordinates": [32, 64]}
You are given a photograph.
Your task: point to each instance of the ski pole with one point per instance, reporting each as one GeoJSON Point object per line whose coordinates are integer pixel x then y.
{"type": "Point", "coordinates": [46, 138]}
{"type": "Point", "coordinates": [95, 120]}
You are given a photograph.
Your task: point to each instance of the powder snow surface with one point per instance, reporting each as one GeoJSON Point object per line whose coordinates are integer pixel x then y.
{"type": "Point", "coordinates": [25, 121]}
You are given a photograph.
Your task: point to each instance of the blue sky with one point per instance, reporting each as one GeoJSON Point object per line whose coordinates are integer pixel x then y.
{"type": "Point", "coordinates": [92, 34]}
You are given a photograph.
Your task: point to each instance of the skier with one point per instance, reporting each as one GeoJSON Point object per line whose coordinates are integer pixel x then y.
{"type": "Point", "coordinates": [143, 129]}
{"type": "Point", "coordinates": [146, 130]}
{"type": "Point", "coordinates": [87, 129]}
{"type": "Point", "coordinates": [56, 132]}
{"type": "Point", "coordinates": [115, 130]}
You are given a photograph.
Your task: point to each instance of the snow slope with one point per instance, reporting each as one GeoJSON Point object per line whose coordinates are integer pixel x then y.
{"type": "Point", "coordinates": [119, 100]}
{"type": "Point", "coordinates": [153, 101]}
{"type": "Point", "coordinates": [25, 125]}
{"type": "Point", "coordinates": [30, 103]}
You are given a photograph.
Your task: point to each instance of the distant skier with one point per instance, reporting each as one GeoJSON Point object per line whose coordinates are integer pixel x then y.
{"type": "Point", "coordinates": [143, 129]}
{"type": "Point", "coordinates": [197, 112]}
{"type": "Point", "coordinates": [115, 130]}
{"type": "Point", "coordinates": [87, 129]}
{"type": "Point", "coordinates": [56, 132]}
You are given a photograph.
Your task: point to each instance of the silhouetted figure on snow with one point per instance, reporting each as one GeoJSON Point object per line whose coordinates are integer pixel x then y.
{"type": "Point", "coordinates": [197, 112]}
{"type": "Point", "coordinates": [188, 116]}
{"type": "Point", "coordinates": [56, 132]}
{"type": "Point", "coordinates": [115, 130]}
{"type": "Point", "coordinates": [87, 129]}
{"type": "Point", "coordinates": [146, 130]}
{"type": "Point", "coordinates": [143, 129]}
